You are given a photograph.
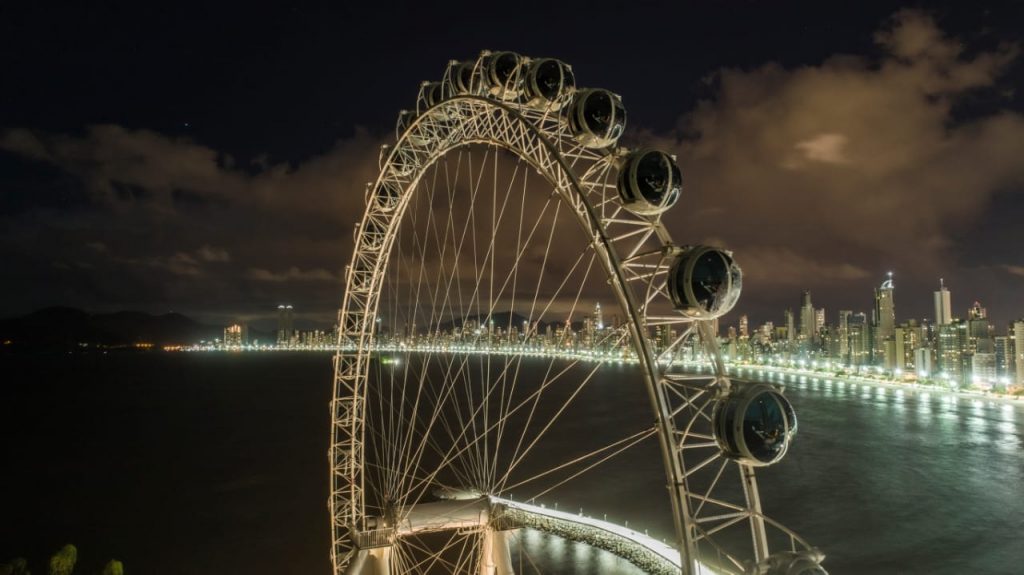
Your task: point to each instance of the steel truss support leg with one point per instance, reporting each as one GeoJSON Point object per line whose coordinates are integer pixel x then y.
{"type": "Point", "coordinates": [757, 529]}
{"type": "Point", "coordinates": [495, 558]}
{"type": "Point", "coordinates": [376, 561]}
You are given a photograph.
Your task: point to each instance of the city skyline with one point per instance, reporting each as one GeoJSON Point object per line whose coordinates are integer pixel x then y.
{"type": "Point", "coordinates": [946, 350]}
{"type": "Point", "coordinates": [238, 197]}
{"type": "Point", "coordinates": [926, 302]}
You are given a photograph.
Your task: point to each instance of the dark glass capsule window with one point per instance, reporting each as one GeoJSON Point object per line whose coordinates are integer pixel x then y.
{"type": "Point", "coordinates": [765, 426]}
{"type": "Point", "coordinates": [598, 112]}
{"type": "Point", "coordinates": [551, 78]}
{"type": "Point", "coordinates": [653, 176]}
{"type": "Point", "coordinates": [710, 276]}
{"type": "Point", "coordinates": [465, 77]}
{"type": "Point", "coordinates": [434, 95]}
{"type": "Point", "coordinates": [504, 67]}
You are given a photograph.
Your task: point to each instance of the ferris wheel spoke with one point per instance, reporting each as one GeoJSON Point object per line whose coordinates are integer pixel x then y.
{"type": "Point", "coordinates": [453, 452]}
{"type": "Point", "coordinates": [516, 452]}
{"type": "Point", "coordinates": [572, 396]}
{"type": "Point", "coordinates": [591, 466]}
{"type": "Point", "coordinates": [629, 441]}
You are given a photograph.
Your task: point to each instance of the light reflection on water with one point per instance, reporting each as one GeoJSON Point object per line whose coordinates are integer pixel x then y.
{"type": "Point", "coordinates": [898, 480]}
{"type": "Point", "coordinates": [908, 480]}
{"type": "Point", "coordinates": [920, 479]}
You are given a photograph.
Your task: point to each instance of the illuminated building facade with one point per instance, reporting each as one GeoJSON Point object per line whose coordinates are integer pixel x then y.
{"type": "Point", "coordinates": [285, 324]}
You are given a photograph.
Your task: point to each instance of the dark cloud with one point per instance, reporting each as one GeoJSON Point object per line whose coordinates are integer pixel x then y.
{"type": "Point", "coordinates": [819, 175]}
{"type": "Point", "coordinates": [173, 223]}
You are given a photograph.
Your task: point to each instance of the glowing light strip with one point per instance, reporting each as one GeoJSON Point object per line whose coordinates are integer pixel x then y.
{"type": "Point", "coordinates": [660, 548]}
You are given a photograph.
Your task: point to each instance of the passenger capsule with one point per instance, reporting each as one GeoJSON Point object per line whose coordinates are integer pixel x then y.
{"type": "Point", "coordinates": [649, 182]}
{"type": "Point", "coordinates": [597, 118]}
{"type": "Point", "coordinates": [754, 424]}
{"type": "Point", "coordinates": [806, 562]}
{"type": "Point", "coordinates": [405, 119]}
{"type": "Point", "coordinates": [549, 83]}
{"type": "Point", "coordinates": [459, 78]}
{"type": "Point", "coordinates": [704, 282]}
{"type": "Point", "coordinates": [503, 71]}
{"type": "Point", "coordinates": [431, 94]}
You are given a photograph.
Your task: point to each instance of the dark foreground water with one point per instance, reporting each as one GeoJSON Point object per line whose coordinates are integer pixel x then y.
{"type": "Point", "coordinates": [204, 464]}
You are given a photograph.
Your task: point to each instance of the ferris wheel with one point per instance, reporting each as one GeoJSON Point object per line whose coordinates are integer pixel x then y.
{"type": "Point", "coordinates": [474, 354]}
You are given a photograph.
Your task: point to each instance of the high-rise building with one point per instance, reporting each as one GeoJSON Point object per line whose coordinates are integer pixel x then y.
{"type": "Point", "coordinates": [790, 328]}
{"type": "Point", "coordinates": [952, 350]}
{"type": "Point", "coordinates": [1004, 356]}
{"type": "Point", "coordinates": [907, 340]}
{"type": "Point", "coordinates": [1018, 350]}
{"type": "Point", "coordinates": [977, 312]}
{"type": "Point", "coordinates": [923, 361]}
{"type": "Point", "coordinates": [883, 328]}
{"type": "Point", "coordinates": [598, 317]}
{"type": "Point", "coordinates": [235, 335]}
{"type": "Point", "coordinates": [285, 321]}
{"type": "Point", "coordinates": [744, 326]}
{"type": "Point", "coordinates": [858, 328]}
{"type": "Point", "coordinates": [885, 310]}
{"type": "Point", "coordinates": [943, 309]}
{"type": "Point", "coordinates": [806, 317]}
{"type": "Point", "coordinates": [843, 336]}
{"type": "Point", "coordinates": [983, 367]}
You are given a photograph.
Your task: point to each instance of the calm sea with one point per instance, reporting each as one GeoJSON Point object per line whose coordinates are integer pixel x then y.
{"type": "Point", "coordinates": [203, 464]}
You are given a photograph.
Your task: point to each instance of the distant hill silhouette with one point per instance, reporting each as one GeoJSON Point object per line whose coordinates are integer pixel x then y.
{"type": "Point", "coordinates": [64, 327]}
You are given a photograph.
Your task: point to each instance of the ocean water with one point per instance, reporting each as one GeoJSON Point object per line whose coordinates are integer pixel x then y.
{"type": "Point", "coordinates": [216, 464]}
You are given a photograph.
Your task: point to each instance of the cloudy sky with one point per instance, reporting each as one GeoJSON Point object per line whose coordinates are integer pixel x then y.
{"type": "Point", "coordinates": [213, 162]}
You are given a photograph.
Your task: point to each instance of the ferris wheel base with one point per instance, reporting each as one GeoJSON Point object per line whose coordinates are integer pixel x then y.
{"type": "Point", "coordinates": [495, 557]}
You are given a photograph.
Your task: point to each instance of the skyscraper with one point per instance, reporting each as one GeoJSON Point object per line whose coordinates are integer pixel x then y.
{"type": "Point", "coordinates": [236, 335]}
{"type": "Point", "coordinates": [952, 350]}
{"type": "Point", "coordinates": [885, 310]}
{"type": "Point", "coordinates": [285, 319]}
{"type": "Point", "coordinates": [979, 331]}
{"type": "Point", "coordinates": [943, 309]}
{"type": "Point", "coordinates": [857, 326]}
{"type": "Point", "coordinates": [883, 330]}
{"type": "Point", "coordinates": [744, 326]}
{"type": "Point", "coordinates": [790, 328]}
{"type": "Point", "coordinates": [1018, 349]}
{"type": "Point", "coordinates": [806, 316]}
{"type": "Point", "coordinates": [1004, 355]}
{"type": "Point", "coordinates": [843, 335]}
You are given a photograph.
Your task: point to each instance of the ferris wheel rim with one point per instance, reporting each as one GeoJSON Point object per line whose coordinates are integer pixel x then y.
{"type": "Point", "coordinates": [569, 188]}
{"type": "Point", "coordinates": [592, 224]}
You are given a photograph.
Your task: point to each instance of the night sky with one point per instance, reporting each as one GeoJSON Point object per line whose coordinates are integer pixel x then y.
{"type": "Point", "coordinates": [212, 161]}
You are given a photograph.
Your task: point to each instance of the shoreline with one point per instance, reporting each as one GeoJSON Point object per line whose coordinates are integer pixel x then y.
{"type": "Point", "coordinates": [730, 367]}
{"type": "Point", "coordinates": [979, 395]}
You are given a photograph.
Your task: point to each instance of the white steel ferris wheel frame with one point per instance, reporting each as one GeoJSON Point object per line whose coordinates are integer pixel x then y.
{"type": "Point", "coordinates": [635, 252]}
